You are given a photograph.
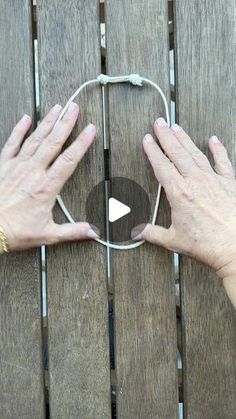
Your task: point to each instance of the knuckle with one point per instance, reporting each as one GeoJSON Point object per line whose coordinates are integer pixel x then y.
{"type": "Point", "coordinates": [82, 137]}
{"type": "Point", "coordinates": [205, 181]}
{"type": "Point", "coordinates": [51, 238]}
{"type": "Point", "coordinates": [149, 233]}
{"type": "Point", "coordinates": [55, 235]}
{"type": "Point", "coordinates": [48, 120]}
{"type": "Point", "coordinates": [185, 193]}
{"type": "Point", "coordinates": [179, 155]}
{"type": "Point", "coordinates": [223, 161]}
{"type": "Point", "coordinates": [67, 120]}
{"type": "Point", "coordinates": [202, 177]}
{"type": "Point", "coordinates": [73, 235]}
{"type": "Point", "coordinates": [55, 141]}
{"type": "Point", "coordinates": [34, 138]}
{"type": "Point", "coordinates": [221, 151]}
{"type": "Point", "coordinates": [41, 190]}
{"type": "Point", "coordinates": [204, 158]}
{"type": "Point", "coordinates": [68, 157]}
{"type": "Point", "coordinates": [60, 235]}
{"type": "Point", "coordinates": [156, 164]}
{"type": "Point", "coordinates": [181, 191]}
{"type": "Point", "coordinates": [198, 154]}
{"type": "Point", "coordinates": [182, 136]}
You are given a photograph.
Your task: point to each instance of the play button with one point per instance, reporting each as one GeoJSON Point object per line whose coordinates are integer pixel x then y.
{"type": "Point", "coordinates": [117, 210]}
{"type": "Point", "coordinates": [115, 207]}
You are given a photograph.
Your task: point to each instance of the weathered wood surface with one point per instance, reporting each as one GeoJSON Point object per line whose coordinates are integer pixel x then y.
{"type": "Point", "coordinates": [137, 42]}
{"type": "Point", "coordinates": [206, 66]}
{"type": "Point", "coordinates": [69, 54]}
{"type": "Point", "coordinates": [21, 378]}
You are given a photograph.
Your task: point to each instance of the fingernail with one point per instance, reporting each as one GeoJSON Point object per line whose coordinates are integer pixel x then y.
{"type": "Point", "coordinates": [56, 109]}
{"type": "Point", "coordinates": [176, 128]}
{"type": "Point", "coordinates": [161, 122]}
{"type": "Point", "coordinates": [136, 233]}
{"type": "Point", "coordinates": [215, 139]}
{"type": "Point", "coordinates": [25, 118]}
{"type": "Point", "coordinates": [90, 128]}
{"type": "Point", "coordinates": [73, 106]}
{"type": "Point", "coordinates": [93, 233]}
{"type": "Point", "coordinates": [148, 138]}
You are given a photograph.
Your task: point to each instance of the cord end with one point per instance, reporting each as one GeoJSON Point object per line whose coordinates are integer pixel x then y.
{"type": "Point", "coordinates": [136, 80]}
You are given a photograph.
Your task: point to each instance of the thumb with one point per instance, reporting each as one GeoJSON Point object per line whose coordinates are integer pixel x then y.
{"type": "Point", "coordinates": [69, 232]}
{"type": "Point", "coordinates": [153, 234]}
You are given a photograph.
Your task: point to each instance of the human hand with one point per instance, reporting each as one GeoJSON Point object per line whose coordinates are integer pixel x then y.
{"type": "Point", "coordinates": [202, 200]}
{"type": "Point", "coordinates": [32, 174]}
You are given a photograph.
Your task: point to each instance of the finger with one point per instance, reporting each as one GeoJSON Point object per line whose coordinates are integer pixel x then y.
{"type": "Point", "coordinates": [51, 146]}
{"type": "Point", "coordinates": [164, 170]}
{"type": "Point", "coordinates": [70, 232]}
{"type": "Point", "coordinates": [223, 165]}
{"type": "Point", "coordinates": [154, 234]}
{"type": "Point", "coordinates": [43, 129]}
{"type": "Point", "coordinates": [173, 149]}
{"type": "Point", "coordinates": [66, 163]}
{"type": "Point", "coordinates": [200, 159]}
{"type": "Point", "coordinates": [12, 146]}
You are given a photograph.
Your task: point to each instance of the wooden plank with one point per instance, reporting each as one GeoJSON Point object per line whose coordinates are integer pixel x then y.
{"type": "Point", "coordinates": [69, 54]}
{"type": "Point", "coordinates": [206, 65]}
{"type": "Point", "coordinates": [137, 42]}
{"type": "Point", "coordinates": [21, 379]}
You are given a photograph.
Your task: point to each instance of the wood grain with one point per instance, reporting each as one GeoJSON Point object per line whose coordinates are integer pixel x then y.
{"type": "Point", "coordinates": [137, 42]}
{"type": "Point", "coordinates": [69, 54]}
{"type": "Point", "coordinates": [206, 65]}
{"type": "Point", "coordinates": [21, 378]}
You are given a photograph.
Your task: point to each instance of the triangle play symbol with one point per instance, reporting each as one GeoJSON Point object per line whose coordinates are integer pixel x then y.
{"type": "Point", "coordinates": [117, 210]}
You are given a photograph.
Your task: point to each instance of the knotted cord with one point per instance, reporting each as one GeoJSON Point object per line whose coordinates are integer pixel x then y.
{"type": "Point", "coordinates": [103, 79]}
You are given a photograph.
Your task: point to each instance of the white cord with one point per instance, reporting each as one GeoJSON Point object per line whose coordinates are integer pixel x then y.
{"type": "Point", "coordinates": [103, 79]}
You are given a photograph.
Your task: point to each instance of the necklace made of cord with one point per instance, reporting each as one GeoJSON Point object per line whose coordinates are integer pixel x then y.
{"type": "Point", "coordinates": [102, 80]}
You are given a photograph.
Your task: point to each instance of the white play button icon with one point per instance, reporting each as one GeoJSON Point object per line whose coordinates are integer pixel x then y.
{"type": "Point", "coordinates": [127, 205]}
{"type": "Point", "coordinates": [117, 210]}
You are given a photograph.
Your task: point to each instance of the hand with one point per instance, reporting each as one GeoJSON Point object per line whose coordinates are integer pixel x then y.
{"type": "Point", "coordinates": [202, 200]}
{"type": "Point", "coordinates": [32, 174]}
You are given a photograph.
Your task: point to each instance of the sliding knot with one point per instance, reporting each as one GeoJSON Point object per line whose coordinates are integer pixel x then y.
{"type": "Point", "coordinates": [135, 79]}
{"type": "Point", "coordinates": [103, 79]}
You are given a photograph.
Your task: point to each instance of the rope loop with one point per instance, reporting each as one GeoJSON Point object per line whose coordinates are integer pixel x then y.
{"type": "Point", "coordinates": [103, 79]}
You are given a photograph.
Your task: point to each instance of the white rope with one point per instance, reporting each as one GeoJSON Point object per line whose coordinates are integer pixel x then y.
{"type": "Point", "coordinates": [103, 79]}
{"type": "Point", "coordinates": [134, 79]}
